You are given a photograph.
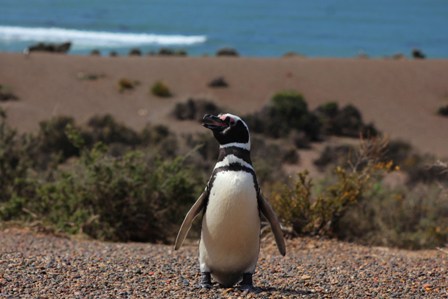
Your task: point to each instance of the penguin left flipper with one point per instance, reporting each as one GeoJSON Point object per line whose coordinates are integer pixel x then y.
{"type": "Point", "coordinates": [186, 225]}
{"type": "Point", "coordinates": [269, 213]}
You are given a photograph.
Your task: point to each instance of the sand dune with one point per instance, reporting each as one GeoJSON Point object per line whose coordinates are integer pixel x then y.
{"type": "Point", "coordinates": [400, 97]}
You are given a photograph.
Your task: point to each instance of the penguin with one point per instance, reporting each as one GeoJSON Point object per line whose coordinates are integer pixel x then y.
{"type": "Point", "coordinates": [231, 205]}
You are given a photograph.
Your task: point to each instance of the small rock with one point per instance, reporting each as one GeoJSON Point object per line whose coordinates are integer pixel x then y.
{"type": "Point", "coordinates": [305, 277]}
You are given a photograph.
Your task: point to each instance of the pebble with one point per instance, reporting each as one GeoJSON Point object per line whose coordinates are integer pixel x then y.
{"type": "Point", "coordinates": [45, 266]}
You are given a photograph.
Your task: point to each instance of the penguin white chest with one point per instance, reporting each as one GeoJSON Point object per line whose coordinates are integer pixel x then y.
{"type": "Point", "coordinates": [231, 225]}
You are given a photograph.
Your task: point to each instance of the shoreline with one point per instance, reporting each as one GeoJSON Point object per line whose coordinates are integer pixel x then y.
{"type": "Point", "coordinates": [400, 97]}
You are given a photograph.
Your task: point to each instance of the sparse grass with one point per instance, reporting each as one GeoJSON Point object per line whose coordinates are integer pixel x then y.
{"type": "Point", "coordinates": [161, 90]}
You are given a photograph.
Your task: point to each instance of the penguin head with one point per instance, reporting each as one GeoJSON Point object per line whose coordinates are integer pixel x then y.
{"type": "Point", "coordinates": [228, 129]}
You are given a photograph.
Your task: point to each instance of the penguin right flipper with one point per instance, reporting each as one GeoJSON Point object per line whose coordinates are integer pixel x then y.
{"type": "Point", "coordinates": [186, 225]}
{"type": "Point", "coordinates": [269, 213]}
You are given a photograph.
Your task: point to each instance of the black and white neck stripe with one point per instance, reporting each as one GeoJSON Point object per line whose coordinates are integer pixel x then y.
{"type": "Point", "coordinates": [234, 159]}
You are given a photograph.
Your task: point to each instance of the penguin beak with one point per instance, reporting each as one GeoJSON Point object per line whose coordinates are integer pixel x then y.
{"type": "Point", "coordinates": [214, 123]}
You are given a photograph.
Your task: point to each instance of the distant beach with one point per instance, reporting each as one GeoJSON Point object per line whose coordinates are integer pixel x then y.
{"type": "Point", "coordinates": [254, 28]}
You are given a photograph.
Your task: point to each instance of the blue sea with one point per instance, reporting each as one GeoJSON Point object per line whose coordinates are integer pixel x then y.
{"type": "Point", "coordinates": [261, 28]}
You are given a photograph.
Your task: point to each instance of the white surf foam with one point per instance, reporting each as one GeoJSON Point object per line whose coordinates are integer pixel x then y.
{"type": "Point", "coordinates": [81, 38]}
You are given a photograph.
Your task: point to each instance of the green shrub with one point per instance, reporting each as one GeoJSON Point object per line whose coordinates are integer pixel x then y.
{"type": "Point", "coordinates": [142, 191]}
{"type": "Point", "coordinates": [418, 168]}
{"type": "Point", "coordinates": [218, 82]}
{"type": "Point", "coordinates": [408, 218]}
{"type": "Point", "coordinates": [6, 94]}
{"type": "Point", "coordinates": [53, 138]}
{"type": "Point", "coordinates": [425, 172]}
{"type": "Point", "coordinates": [267, 157]}
{"type": "Point", "coordinates": [194, 109]}
{"type": "Point", "coordinates": [443, 111]}
{"type": "Point", "coordinates": [299, 140]}
{"type": "Point", "coordinates": [90, 76]}
{"type": "Point", "coordinates": [126, 84]}
{"type": "Point", "coordinates": [170, 52]}
{"type": "Point", "coordinates": [131, 198]}
{"type": "Point", "coordinates": [15, 163]}
{"type": "Point", "coordinates": [135, 52]}
{"type": "Point", "coordinates": [343, 122]}
{"type": "Point", "coordinates": [160, 141]}
{"type": "Point", "coordinates": [206, 152]}
{"type": "Point", "coordinates": [52, 143]}
{"type": "Point", "coordinates": [288, 111]}
{"type": "Point", "coordinates": [227, 52]}
{"type": "Point", "coordinates": [107, 130]}
{"type": "Point", "coordinates": [333, 155]}
{"type": "Point", "coordinates": [95, 52]}
{"type": "Point", "coordinates": [290, 156]}
{"type": "Point", "coordinates": [160, 89]}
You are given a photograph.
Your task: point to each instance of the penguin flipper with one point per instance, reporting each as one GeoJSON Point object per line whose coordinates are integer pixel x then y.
{"type": "Point", "coordinates": [188, 221]}
{"type": "Point", "coordinates": [269, 213]}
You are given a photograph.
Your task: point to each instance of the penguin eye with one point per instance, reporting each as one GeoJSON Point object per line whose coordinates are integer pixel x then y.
{"type": "Point", "coordinates": [231, 121]}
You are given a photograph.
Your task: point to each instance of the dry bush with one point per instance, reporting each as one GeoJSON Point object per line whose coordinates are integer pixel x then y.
{"type": "Point", "coordinates": [354, 204]}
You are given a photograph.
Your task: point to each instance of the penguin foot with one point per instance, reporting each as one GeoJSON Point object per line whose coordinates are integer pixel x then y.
{"type": "Point", "coordinates": [246, 283]}
{"type": "Point", "coordinates": [206, 280]}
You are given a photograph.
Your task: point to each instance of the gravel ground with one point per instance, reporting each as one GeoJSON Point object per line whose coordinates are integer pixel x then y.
{"type": "Point", "coordinates": [45, 266]}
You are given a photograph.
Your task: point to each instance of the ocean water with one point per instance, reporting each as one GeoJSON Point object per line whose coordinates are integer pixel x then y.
{"type": "Point", "coordinates": [262, 28]}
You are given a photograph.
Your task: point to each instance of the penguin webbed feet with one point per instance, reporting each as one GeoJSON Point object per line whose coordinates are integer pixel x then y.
{"type": "Point", "coordinates": [206, 280]}
{"type": "Point", "coordinates": [246, 283]}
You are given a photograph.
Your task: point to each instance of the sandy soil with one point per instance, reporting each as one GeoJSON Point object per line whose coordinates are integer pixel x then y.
{"type": "Point", "coordinates": [44, 266]}
{"type": "Point", "coordinates": [401, 97]}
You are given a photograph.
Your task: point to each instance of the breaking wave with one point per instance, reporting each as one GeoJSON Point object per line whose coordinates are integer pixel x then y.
{"type": "Point", "coordinates": [81, 38]}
